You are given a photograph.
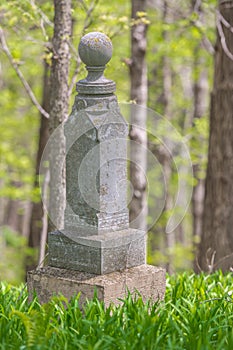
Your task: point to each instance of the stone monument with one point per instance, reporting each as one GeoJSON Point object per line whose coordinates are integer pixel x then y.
{"type": "Point", "coordinates": [96, 250]}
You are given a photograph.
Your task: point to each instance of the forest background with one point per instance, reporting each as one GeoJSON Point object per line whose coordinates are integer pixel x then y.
{"type": "Point", "coordinates": [179, 58]}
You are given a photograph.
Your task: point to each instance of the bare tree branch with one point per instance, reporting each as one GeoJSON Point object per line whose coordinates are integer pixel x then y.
{"type": "Point", "coordinates": [83, 4]}
{"type": "Point", "coordinates": [43, 18]}
{"type": "Point", "coordinates": [218, 263]}
{"type": "Point", "coordinates": [197, 6]}
{"type": "Point", "coordinates": [224, 21]}
{"type": "Point", "coordinates": [87, 23]}
{"type": "Point", "coordinates": [44, 220]}
{"type": "Point", "coordinates": [222, 36]}
{"type": "Point", "coordinates": [20, 75]}
{"type": "Point", "coordinates": [76, 72]}
{"type": "Point", "coordinates": [208, 45]}
{"type": "Point", "coordinates": [73, 80]}
{"type": "Point", "coordinates": [205, 41]}
{"type": "Point", "coordinates": [41, 13]}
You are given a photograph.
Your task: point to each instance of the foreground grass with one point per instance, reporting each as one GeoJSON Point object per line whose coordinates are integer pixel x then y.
{"type": "Point", "coordinates": [197, 314]}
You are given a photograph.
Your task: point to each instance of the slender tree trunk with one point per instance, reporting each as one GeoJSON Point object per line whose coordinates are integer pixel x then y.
{"type": "Point", "coordinates": [200, 91]}
{"type": "Point", "coordinates": [138, 134]}
{"type": "Point", "coordinates": [59, 103]}
{"type": "Point", "coordinates": [12, 215]}
{"type": "Point", "coordinates": [187, 84]}
{"type": "Point", "coordinates": [216, 247]}
{"type": "Point", "coordinates": [37, 208]}
{"type": "Point", "coordinates": [15, 214]}
{"type": "Point", "coordinates": [55, 101]}
{"type": "Point", "coordinates": [200, 109]}
{"type": "Point", "coordinates": [35, 223]}
{"type": "Point", "coordinates": [166, 158]}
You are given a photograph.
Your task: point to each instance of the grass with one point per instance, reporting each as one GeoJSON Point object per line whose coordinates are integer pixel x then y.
{"type": "Point", "coordinates": [197, 313]}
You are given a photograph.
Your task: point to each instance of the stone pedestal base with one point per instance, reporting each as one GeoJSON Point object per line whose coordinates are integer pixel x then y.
{"type": "Point", "coordinates": [98, 254]}
{"type": "Point", "coordinates": [148, 280]}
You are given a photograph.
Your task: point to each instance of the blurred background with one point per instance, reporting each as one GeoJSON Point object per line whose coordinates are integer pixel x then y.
{"type": "Point", "coordinates": [174, 54]}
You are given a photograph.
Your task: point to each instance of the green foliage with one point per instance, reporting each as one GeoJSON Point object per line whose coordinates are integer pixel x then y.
{"type": "Point", "coordinates": [179, 39]}
{"type": "Point", "coordinates": [28, 27]}
{"type": "Point", "coordinates": [199, 145]}
{"type": "Point", "coordinates": [182, 256]}
{"type": "Point", "coordinates": [197, 313]}
{"type": "Point", "coordinates": [19, 118]}
{"type": "Point", "coordinates": [14, 251]}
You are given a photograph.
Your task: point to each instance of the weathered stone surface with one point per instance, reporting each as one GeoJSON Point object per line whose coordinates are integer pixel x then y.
{"type": "Point", "coordinates": [96, 138]}
{"type": "Point", "coordinates": [99, 254]}
{"type": "Point", "coordinates": [95, 50]}
{"type": "Point", "coordinates": [96, 163]}
{"type": "Point", "coordinates": [148, 280]}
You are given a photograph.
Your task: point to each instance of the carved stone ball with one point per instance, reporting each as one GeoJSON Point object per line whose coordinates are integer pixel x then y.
{"type": "Point", "coordinates": [95, 49]}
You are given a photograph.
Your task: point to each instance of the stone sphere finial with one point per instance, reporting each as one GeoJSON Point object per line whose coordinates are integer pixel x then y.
{"type": "Point", "coordinates": [95, 49]}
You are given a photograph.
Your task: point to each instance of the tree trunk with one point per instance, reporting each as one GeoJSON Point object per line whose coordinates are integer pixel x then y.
{"type": "Point", "coordinates": [216, 247]}
{"type": "Point", "coordinates": [12, 218]}
{"type": "Point", "coordinates": [170, 239]}
{"type": "Point", "coordinates": [37, 208]}
{"type": "Point", "coordinates": [200, 90]}
{"type": "Point", "coordinates": [35, 222]}
{"type": "Point", "coordinates": [59, 103]}
{"type": "Point", "coordinates": [138, 134]}
{"type": "Point", "coordinates": [200, 108]}
{"type": "Point", "coordinates": [16, 213]}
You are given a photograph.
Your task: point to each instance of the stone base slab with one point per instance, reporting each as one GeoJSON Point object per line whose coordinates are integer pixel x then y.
{"type": "Point", "coordinates": [97, 254]}
{"type": "Point", "coordinates": [46, 282]}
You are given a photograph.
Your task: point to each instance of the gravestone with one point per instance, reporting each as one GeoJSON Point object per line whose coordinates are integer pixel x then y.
{"type": "Point", "coordinates": [96, 250]}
